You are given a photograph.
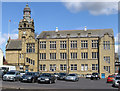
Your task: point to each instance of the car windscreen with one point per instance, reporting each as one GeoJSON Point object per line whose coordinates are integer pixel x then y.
{"type": "Point", "coordinates": [45, 75]}
{"type": "Point", "coordinates": [117, 78]}
{"type": "Point", "coordinates": [29, 73]}
{"type": "Point", "coordinates": [63, 74]}
{"type": "Point", "coordinates": [94, 74]}
{"type": "Point", "coordinates": [71, 75]}
{"type": "Point", "coordinates": [12, 73]}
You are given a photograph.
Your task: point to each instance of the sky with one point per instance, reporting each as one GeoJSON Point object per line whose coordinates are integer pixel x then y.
{"type": "Point", "coordinates": [64, 15]}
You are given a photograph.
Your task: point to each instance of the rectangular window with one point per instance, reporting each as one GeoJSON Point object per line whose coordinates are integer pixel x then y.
{"type": "Point", "coordinates": [94, 43]}
{"type": "Point", "coordinates": [107, 68]}
{"type": "Point", "coordinates": [86, 67]}
{"type": "Point", "coordinates": [84, 44]}
{"type": "Point", "coordinates": [52, 44]}
{"type": "Point", "coordinates": [33, 62]}
{"type": "Point", "coordinates": [73, 67]}
{"type": "Point", "coordinates": [42, 45]}
{"type": "Point", "coordinates": [84, 55]}
{"type": "Point", "coordinates": [106, 45]}
{"type": "Point", "coordinates": [73, 55]}
{"type": "Point", "coordinates": [52, 56]}
{"type": "Point", "coordinates": [27, 60]}
{"type": "Point", "coordinates": [52, 67]}
{"type": "Point", "coordinates": [42, 67]}
{"type": "Point", "coordinates": [63, 45]}
{"type": "Point", "coordinates": [94, 55]}
{"type": "Point", "coordinates": [82, 67]}
{"type": "Point", "coordinates": [94, 66]}
{"type": "Point", "coordinates": [42, 56]}
{"type": "Point", "coordinates": [30, 48]}
{"type": "Point", "coordinates": [73, 44]}
{"type": "Point", "coordinates": [63, 67]}
{"type": "Point", "coordinates": [107, 59]}
{"type": "Point", "coordinates": [63, 55]}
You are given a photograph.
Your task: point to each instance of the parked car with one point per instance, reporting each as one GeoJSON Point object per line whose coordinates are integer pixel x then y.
{"type": "Point", "coordinates": [110, 78]}
{"type": "Point", "coordinates": [72, 77]}
{"type": "Point", "coordinates": [30, 77]}
{"type": "Point", "coordinates": [116, 81]}
{"type": "Point", "coordinates": [47, 78]}
{"type": "Point", "coordinates": [11, 76]}
{"type": "Point", "coordinates": [95, 76]}
{"type": "Point", "coordinates": [62, 76]}
{"type": "Point", "coordinates": [22, 73]}
{"type": "Point", "coordinates": [56, 75]}
{"type": "Point", "coordinates": [88, 75]}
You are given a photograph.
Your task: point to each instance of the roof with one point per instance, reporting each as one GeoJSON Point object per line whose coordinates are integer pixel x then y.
{"type": "Point", "coordinates": [74, 33]}
{"type": "Point", "coordinates": [14, 45]}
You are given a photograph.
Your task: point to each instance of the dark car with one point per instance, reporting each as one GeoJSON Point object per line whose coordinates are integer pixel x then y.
{"type": "Point", "coordinates": [95, 76]}
{"type": "Point", "coordinates": [47, 78]}
{"type": "Point", "coordinates": [30, 77]}
{"type": "Point", "coordinates": [62, 76]}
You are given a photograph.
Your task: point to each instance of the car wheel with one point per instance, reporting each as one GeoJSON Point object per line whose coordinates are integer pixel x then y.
{"type": "Point", "coordinates": [33, 80]}
{"type": "Point", "coordinates": [54, 81]}
{"type": "Point", "coordinates": [50, 82]}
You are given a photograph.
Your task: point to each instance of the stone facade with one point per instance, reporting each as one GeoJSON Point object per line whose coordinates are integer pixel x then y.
{"type": "Point", "coordinates": [71, 51]}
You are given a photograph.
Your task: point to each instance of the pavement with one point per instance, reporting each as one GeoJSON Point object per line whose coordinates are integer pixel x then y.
{"type": "Point", "coordinates": [83, 83]}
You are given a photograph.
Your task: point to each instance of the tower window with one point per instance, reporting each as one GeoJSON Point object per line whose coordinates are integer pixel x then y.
{"type": "Point", "coordinates": [24, 25]}
{"type": "Point", "coordinates": [28, 25]}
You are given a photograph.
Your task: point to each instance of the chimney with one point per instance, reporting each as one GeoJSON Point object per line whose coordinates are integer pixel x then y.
{"type": "Point", "coordinates": [78, 34]}
{"type": "Point", "coordinates": [85, 28]}
{"type": "Point", "coordinates": [58, 35]}
{"type": "Point", "coordinates": [56, 29]}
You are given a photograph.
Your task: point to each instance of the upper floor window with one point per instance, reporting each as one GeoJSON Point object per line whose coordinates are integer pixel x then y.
{"type": "Point", "coordinates": [52, 44]}
{"type": "Point", "coordinates": [63, 55]}
{"type": "Point", "coordinates": [53, 56]}
{"type": "Point", "coordinates": [84, 55]}
{"type": "Point", "coordinates": [42, 44]}
{"type": "Point", "coordinates": [73, 44]}
{"type": "Point", "coordinates": [30, 48]}
{"type": "Point", "coordinates": [106, 45]}
{"type": "Point", "coordinates": [42, 55]}
{"type": "Point", "coordinates": [84, 44]}
{"type": "Point", "coordinates": [63, 45]}
{"type": "Point", "coordinates": [94, 43]}
{"type": "Point", "coordinates": [73, 55]}
{"type": "Point", "coordinates": [94, 55]}
{"type": "Point", "coordinates": [107, 59]}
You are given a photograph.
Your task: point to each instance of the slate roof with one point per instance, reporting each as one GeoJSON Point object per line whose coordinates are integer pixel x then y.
{"type": "Point", "coordinates": [14, 45]}
{"type": "Point", "coordinates": [74, 33]}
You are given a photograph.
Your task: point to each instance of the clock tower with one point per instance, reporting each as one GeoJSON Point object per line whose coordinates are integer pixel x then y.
{"type": "Point", "coordinates": [26, 25]}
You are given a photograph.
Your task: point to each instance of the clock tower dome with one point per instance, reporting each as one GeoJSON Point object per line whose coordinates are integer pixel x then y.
{"type": "Point", "coordinates": [26, 25]}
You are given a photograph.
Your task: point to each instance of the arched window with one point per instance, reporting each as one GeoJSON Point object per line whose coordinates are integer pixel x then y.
{"type": "Point", "coordinates": [24, 25]}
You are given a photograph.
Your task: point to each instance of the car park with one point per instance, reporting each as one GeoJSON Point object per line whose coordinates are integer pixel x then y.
{"type": "Point", "coordinates": [88, 75]}
{"type": "Point", "coordinates": [116, 81]}
{"type": "Point", "coordinates": [72, 77]}
{"type": "Point", "coordinates": [30, 77]}
{"type": "Point", "coordinates": [95, 76]}
{"type": "Point", "coordinates": [47, 78]}
{"type": "Point", "coordinates": [110, 78]}
{"type": "Point", "coordinates": [62, 76]}
{"type": "Point", "coordinates": [11, 76]}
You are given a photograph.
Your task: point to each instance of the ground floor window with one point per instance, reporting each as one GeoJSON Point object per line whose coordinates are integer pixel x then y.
{"type": "Point", "coordinates": [52, 67]}
{"type": "Point", "coordinates": [94, 66]}
{"type": "Point", "coordinates": [42, 67]}
{"type": "Point", "coordinates": [73, 67]}
{"type": "Point", "coordinates": [84, 67]}
{"type": "Point", "coordinates": [107, 68]}
{"type": "Point", "coordinates": [63, 67]}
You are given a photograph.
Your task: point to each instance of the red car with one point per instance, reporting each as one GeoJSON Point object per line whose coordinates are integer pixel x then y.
{"type": "Point", "coordinates": [110, 78]}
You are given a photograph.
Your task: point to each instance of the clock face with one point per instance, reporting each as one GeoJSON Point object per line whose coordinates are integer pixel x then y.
{"type": "Point", "coordinates": [24, 32]}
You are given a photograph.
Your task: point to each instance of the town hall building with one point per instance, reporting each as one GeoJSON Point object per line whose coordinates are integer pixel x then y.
{"type": "Point", "coordinates": [72, 51]}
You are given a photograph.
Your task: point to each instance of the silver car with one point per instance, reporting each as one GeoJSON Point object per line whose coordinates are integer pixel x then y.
{"type": "Point", "coordinates": [11, 76]}
{"type": "Point", "coordinates": [116, 81]}
{"type": "Point", "coordinates": [72, 77]}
